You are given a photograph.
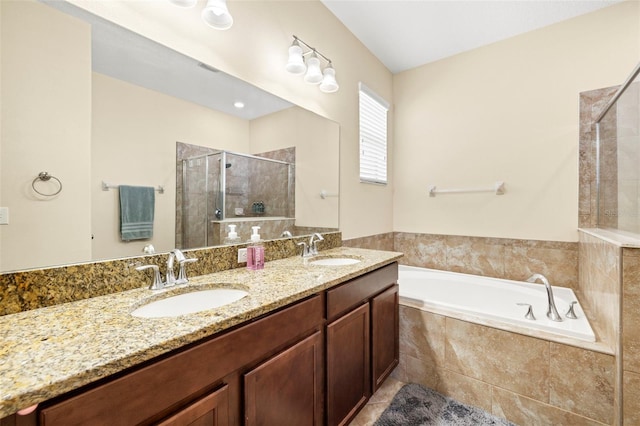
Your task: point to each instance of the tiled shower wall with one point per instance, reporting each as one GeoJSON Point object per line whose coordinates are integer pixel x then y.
{"type": "Point", "coordinates": [591, 104]}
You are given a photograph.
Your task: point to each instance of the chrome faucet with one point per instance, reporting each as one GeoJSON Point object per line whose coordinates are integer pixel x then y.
{"type": "Point", "coordinates": [171, 280]}
{"type": "Point", "coordinates": [176, 254]}
{"type": "Point", "coordinates": [157, 283]}
{"type": "Point", "coordinates": [182, 274]}
{"type": "Point", "coordinates": [552, 311]}
{"type": "Point", "coordinates": [305, 249]}
{"type": "Point", "coordinates": [313, 243]}
{"type": "Point", "coordinates": [171, 277]}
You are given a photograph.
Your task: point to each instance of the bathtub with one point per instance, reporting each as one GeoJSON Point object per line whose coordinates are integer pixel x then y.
{"type": "Point", "coordinates": [491, 301]}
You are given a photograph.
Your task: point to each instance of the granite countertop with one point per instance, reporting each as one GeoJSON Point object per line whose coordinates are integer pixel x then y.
{"type": "Point", "coordinates": [49, 351]}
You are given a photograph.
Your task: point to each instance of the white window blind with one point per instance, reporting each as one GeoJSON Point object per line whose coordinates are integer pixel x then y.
{"type": "Point", "coordinates": [373, 137]}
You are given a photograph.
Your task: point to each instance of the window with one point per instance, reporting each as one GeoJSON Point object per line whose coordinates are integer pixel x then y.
{"type": "Point", "coordinates": [373, 137]}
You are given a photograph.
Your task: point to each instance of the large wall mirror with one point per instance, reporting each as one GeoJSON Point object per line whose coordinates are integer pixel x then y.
{"type": "Point", "coordinates": [93, 104]}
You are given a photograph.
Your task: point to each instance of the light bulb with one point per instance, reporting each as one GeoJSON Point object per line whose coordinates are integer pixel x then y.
{"type": "Point", "coordinates": [295, 64]}
{"type": "Point", "coordinates": [313, 75]}
{"type": "Point", "coordinates": [216, 15]}
{"type": "Point", "coordinates": [329, 83]}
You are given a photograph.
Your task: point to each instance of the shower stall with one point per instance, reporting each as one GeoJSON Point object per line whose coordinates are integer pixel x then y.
{"type": "Point", "coordinates": [618, 160]}
{"type": "Point", "coordinates": [221, 188]}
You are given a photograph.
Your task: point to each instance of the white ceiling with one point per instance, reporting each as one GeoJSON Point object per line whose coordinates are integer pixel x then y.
{"type": "Point", "coordinates": [406, 34]}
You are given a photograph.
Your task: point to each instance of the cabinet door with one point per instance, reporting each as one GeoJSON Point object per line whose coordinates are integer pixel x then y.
{"type": "Point", "coordinates": [210, 410]}
{"type": "Point", "coordinates": [348, 365]}
{"type": "Point", "coordinates": [384, 335]}
{"type": "Point", "coordinates": [287, 389]}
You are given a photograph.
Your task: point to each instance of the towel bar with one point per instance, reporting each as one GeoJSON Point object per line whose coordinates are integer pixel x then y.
{"type": "Point", "coordinates": [324, 194]}
{"type": "Point", "coordinates": [498, 189]}
{"type": "Point", "coordinates": [107, 186]}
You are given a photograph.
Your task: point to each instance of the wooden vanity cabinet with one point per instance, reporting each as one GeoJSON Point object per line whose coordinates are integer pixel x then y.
{"type": "Point", "coordinates": [202, 385]}
{"type": "Point", "coordinates": [315, 362]}
{"type": "Point", "coordinates": [362, 341]}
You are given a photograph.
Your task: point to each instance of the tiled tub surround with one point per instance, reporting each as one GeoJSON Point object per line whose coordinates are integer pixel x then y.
{"type": "Point", "coordinates": [592, 399]}
{"type": "Point", "coordinates": [49, 351]}
{"type": "Point", "coordinates": [528, 380]}
{"type": "Point", "coordinates": [507, 258]}
{"type": "Point", "coordinates": [24, 290]}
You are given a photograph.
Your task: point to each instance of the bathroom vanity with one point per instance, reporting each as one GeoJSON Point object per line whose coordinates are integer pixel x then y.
{"type": "Point", "coordinates": [310, 351]}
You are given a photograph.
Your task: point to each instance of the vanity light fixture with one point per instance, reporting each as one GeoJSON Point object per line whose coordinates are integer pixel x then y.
{"type": "Point", "coordinates": [215, 13]}
{"type": "Point", "coordinates": [313, 73]}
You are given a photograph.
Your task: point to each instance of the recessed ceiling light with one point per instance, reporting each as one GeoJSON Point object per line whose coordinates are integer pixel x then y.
{"type": "Point", "coordinates": [238, 104]}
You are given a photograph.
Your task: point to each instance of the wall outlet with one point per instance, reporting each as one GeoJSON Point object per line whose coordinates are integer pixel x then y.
{"type": "Point", "coordinates": [242, 255]}
{"type": "Point", "coordinates": [4, 217]}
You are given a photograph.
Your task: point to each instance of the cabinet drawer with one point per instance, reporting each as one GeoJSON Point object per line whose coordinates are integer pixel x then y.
{"type": "Point", "coordinates": [212, 409]}
{"type": "Point", "coordinates": [170, 382]}
{"type": "Point", "coordinates": [346, 296]}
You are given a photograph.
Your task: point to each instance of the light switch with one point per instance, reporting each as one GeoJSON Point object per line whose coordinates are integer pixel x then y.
{"type": "Point", "coordinates": [4, 215]}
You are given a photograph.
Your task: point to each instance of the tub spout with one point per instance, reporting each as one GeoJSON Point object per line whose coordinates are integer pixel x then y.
{"type": "Point", "coordinates": [552, 311]}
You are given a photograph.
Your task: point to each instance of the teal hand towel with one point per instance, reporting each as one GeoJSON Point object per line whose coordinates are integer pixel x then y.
{"type": "Point", "coordinates": [137, 205]}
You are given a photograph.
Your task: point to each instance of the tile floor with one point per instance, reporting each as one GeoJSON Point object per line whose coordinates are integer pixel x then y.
{"type": "Point", "coordinates": [378, 402]}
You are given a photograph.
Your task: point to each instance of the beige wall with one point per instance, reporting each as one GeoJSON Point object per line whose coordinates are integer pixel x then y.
{"type": "Point", "coordinates": [255, 50]}
{"type": "Point", "coordinates": [507, 111]}
{"type": "Point", "coordinates": [317, 160]}
{"type": "Point", "coordinates": [146, 127]}
{"type": "Point", "coordinates": [31, 54]}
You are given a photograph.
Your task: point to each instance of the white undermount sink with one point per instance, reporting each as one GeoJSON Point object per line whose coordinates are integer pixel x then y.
{"type": "Point", "coordinates": [335, 261]}
{"type": "Point", "coordinates": [189, 303]}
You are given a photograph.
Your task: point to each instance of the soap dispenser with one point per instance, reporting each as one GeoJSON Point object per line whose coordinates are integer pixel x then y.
{"type": "Point", "coordinates": [255, 250]}
{"type": "Point", "coordinates": [232, 237]}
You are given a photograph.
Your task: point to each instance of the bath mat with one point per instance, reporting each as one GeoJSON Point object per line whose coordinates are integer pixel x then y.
{"type": "Point", "coordinates": [416, 405]}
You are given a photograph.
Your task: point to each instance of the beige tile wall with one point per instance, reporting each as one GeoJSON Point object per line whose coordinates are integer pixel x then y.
{"type": "Point", "coordinates": [599, 286]}
{"type": "Point", "coordinates": [631, 336]}
{"type": "Point", "coordinates": [493, 257]}
{"type": "Point", "coordinates": [524, 379]}
{"type": "Point", "coordinates": [374, 242]}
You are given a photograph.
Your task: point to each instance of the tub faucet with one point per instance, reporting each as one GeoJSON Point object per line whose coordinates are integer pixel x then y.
{"type": "Point", "coordinates": [552, 311]}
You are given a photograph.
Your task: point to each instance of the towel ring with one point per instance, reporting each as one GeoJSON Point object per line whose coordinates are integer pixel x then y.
{"type": "Point", "coordinates": [45, 176]}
